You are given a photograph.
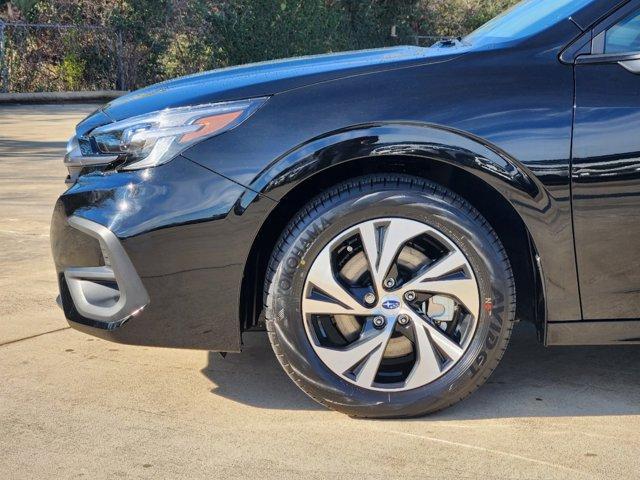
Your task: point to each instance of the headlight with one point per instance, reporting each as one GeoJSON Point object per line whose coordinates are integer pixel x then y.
{"type": "Point", "coordinates": [155, 138]}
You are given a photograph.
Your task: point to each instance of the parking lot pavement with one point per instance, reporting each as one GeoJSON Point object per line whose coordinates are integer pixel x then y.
{"type": "Point", "coordinates": [76, 407]}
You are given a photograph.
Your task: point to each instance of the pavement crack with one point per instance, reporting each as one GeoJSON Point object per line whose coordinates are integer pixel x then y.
{"type": "Point", "coordinates": [33, 336]}
{"type": "Point", "coordinates": [491, 451]}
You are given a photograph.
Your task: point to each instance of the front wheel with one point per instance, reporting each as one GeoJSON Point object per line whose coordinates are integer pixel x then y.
{"type": "Point", "coordinates": [389, 296]}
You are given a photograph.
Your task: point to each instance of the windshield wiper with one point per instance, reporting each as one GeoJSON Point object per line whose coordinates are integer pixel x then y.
{"type": "Point", "coordinates": [450, 42]}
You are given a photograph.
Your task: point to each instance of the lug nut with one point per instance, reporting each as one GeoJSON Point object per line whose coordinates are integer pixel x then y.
{"type": "Point", "coordinates": [390, 282]}
{"type": "Point", "coordinates": [404, 320]}
{"type": "Point", "coordinates": [370, 298]}
{"type": "Point", "coordinates": [379, 321]}
{"type": "Point", "coordinates": [410, 296]}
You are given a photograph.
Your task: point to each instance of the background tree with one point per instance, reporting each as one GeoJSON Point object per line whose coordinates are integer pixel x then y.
{"type": "Point", "coordinates": [139, 42]}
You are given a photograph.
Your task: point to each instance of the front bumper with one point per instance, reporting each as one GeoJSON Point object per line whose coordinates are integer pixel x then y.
{"type": "Point", "coordinates": [144, 257]}
{"type": "Point", "coordinates": [102, 296]}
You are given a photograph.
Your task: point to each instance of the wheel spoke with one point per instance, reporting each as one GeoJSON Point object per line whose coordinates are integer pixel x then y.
{"type": "Point", "coordinates": [450, 263]}
{"type": "Point", "coordinates": [370, 243]}
{"type": "Point", "coordinates": [338, 300]}
{"type": "Point", "coordinates": [464, 290]}
{"type": "Point", "coordinates": [369, 369]}
{"type": "Point", "coordinates": [450, 348]}
{"type": "Point", "coordinates": [460, 287]}
{"type": "Point", "coordinates": [427, 366]}
{"type": "Point", "coordinates": [367, 352]}
{"type": "Point", "coordinates": [319, 306]}
{"type": "Point", "coordinates": [383, 241]}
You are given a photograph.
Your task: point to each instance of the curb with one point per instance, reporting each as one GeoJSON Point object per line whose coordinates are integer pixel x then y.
{"type": "Point", "coordinates": [60, 97]}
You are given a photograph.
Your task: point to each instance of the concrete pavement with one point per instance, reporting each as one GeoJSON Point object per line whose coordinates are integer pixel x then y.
{"type": "Point", "coordinates": [72, 406]}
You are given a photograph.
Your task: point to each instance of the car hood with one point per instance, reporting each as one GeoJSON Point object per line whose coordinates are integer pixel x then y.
{"type": "Point", "coordinates": [263, 79]}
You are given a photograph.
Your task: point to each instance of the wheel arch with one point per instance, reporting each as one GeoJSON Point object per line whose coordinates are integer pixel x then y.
{"type": "Point", "coordinates": [482, 174]}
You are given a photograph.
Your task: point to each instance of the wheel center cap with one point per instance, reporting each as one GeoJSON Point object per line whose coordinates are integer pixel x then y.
{"type": "Point", "coordinates": [391, 303]}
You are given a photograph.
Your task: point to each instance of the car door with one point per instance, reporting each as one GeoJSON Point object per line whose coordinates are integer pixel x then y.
{"type": "Point", "coordinates": [606, 169]}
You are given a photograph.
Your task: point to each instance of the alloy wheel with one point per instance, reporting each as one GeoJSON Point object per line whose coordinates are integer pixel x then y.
{"type": "Point", "coordinates": [390, 304]}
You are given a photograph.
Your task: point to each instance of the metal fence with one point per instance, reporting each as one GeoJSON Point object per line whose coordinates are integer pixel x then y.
{"type": "Point", "coordinates": [58, 57]}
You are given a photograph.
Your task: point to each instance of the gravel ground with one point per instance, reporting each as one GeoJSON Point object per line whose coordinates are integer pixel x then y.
{"type": "Point", "coordinates": [72, 406]}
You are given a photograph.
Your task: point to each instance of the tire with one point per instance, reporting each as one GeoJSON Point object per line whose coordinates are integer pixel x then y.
{"type": "Point", "coordinates": [396, 197]}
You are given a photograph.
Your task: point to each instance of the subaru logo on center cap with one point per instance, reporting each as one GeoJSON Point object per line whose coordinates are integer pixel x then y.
{"type": "Point", "coordinates": [390, 304]}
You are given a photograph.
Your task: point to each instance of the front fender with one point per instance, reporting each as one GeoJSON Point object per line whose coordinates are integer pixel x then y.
{"type": "Point", "coordinates": [542, 214]}
{"type": "Point", "coordinates": [430, 142]}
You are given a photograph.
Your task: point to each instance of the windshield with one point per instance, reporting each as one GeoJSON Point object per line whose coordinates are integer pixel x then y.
{"type": "Point", "coordinates": [525, 19]}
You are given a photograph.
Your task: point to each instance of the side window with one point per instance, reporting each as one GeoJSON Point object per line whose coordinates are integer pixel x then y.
{"type": "Point", "coordinates": [624, 36]}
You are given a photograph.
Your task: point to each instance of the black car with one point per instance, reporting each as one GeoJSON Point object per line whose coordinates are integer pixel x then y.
{"type": "Point", "coordinates": [388, 214]}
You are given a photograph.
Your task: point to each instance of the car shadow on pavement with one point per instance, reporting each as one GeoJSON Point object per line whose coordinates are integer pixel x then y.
{"type": "Point", "coordinates": [254, 377]}
{"type": "Point", "coordinates": [531, 381]}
